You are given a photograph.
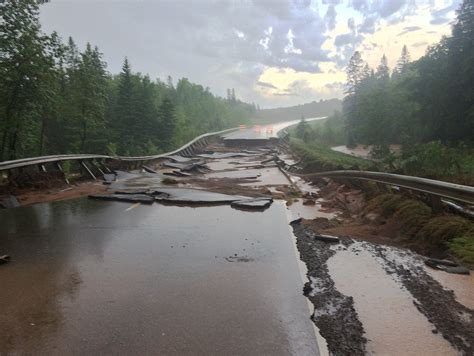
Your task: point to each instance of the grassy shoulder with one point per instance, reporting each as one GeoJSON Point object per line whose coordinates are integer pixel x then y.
{"type": "Point", "coordinates": [318, 157]}
{"type": "Point", "coordinates": [426, 231]}
{"type": "Point", "coordinates": [434, 160]}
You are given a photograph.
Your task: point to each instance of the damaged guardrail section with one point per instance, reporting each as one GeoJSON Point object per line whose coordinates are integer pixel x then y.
{"type": "Point", "coordinates": [458, 192]}
{"type": "Point", "coordinates": [185, 150]}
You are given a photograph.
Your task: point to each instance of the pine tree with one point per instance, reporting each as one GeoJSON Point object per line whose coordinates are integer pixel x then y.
{"type": "Point", "coordinates": [383, 72]}
{"type": "Point", "coordinates": [124, 110]}
{"type": "Point", "coordinates": [90, 93]}
{"type": "Point", "coordinates": [168, 123]}
{"type": "Point", "coordinates": [355, 73]}
{"type": "Point", "coordinates": [24, 63]}
{"type": "Point", "coordinates": [403, 61]}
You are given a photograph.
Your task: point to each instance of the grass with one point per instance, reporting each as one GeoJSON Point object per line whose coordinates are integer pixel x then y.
{"type": "Point", "coordinates": [463, 247]}
{"type": "Point", "coordinates": [317, 157]}
{"type": "Point", "coordinates": [442, 229]}
{"type": "Point", "coordinates": [450, 233]}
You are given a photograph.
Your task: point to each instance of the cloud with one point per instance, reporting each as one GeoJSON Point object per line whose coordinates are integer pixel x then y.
{"type": "Point", "coordinates": [440, 16]}
{"type": "Point", "coordinates": [409, 29]}
{"type": "Point", "coordinates": [330, 17]}
{"type": "Point", "coordinates": [419, 44]}
{"type": "Point", "coordinates": [229, 44]}
{"type": "Point", "coordinates": [266, 85]}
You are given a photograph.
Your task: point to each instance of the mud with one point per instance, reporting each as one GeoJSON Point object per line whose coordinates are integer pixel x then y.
{"type": "Point", "coordinates": [334, 312]}
{"type": "Point", "coordinates": [63, 192]}
{"type": "Point", "coordinates": [441, 315]}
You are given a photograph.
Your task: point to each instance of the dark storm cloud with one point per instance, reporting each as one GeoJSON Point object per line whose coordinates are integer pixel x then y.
{"type": "Point", "coordinates": [440, 16]}
{"type": "Point", "coordinates": [266, 85]}
{"type": "Point", "coordinates": [219, 44]}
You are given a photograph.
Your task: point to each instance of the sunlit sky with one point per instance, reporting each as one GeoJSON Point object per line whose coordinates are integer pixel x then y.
{"type": "Point", "coordinates": [274, 53]}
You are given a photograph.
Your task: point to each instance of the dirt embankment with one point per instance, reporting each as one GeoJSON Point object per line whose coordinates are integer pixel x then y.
{"type": "Point", "coordinates": [397, 219]}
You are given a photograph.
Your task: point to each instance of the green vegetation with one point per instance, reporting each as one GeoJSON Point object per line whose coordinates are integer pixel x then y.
{"type": "Point", "coordinates": [329, 132]}
{"type": "Point", "coordinates": [56, 99]}
{"type": "Point", "coordinates": [317, 157]}
{"type": "Point", "coordinates": [463, 247]}
{"type": "Point", "coordinates": [429, 232]}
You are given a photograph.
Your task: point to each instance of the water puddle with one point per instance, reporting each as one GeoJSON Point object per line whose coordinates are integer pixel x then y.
{"type": "Point", "coordinates": [461, 285]}
{"type": "Point", "coordinates": [88, 276]}
{"type": "Point", "coordinates": [392, 323]}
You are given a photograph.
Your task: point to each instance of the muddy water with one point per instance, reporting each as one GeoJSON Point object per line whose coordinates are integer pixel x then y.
{"type": "Point", "coordinates": [91, 277]}
{"type": "Point", "coordinates": [392, 323]}
{"type": "Point", "coordinates": [461, 285]}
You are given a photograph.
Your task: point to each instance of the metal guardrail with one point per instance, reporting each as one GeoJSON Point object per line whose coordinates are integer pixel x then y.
{"type": "Point", "coordinates": [452, 191]}
{"type": "Point", "coordinates": [457, 192]}
{"type": "Point", "coordinates": [32, 161]}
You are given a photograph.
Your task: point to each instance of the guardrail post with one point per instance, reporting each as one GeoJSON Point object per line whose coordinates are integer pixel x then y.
{"type": "Point", "coordinates": [60, 168]}
{"type": "Point", "coordinates": [436, 204]}
{"type": "Point", "coordinates": [42, 168]}
{"type": "Point", "coordinates": [83, 164]}
{"type": "Point", "coordinates": [96, 165]}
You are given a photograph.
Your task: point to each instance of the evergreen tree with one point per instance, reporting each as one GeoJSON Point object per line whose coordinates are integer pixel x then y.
{"type": "Point", "coordinates": [125, 110]}
{"type": "Point", "coordinates": [383, 72]}
{"type": "Point", "coordinates": [25, 61]}
{"type": "Point", "coordinates": [168, 123]}
{"type": "Point", "coordinates": [355, 73]}
{"type": "Point", "coordinates": [403, 61]}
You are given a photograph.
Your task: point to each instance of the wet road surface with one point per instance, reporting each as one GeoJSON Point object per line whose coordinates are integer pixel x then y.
{"type": "Point", "coordinates": [263, 131]}
{"type": "Point", "coordinates": [93, 277]}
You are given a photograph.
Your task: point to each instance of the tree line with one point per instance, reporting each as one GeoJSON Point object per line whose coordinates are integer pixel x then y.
{"type": "Point", "coordinates": [55, 98]}
{"type": "Point", "coordinates": [431, 99]}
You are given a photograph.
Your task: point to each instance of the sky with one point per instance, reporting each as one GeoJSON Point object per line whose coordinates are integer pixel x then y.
{"type": "Point", "coordinates": [273, 52]}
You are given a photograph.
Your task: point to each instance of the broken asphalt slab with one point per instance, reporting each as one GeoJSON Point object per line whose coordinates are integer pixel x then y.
{"type": "Point", "coordinates": [252, 204]}
{"type": "Point", "coordinates": [219, 155]}
{"type": "Point", "coordinates": [187, 167]}
{"type": "Point", "coordinates": [194, 196]}
{"type": "Point", "coordinates": [179, 159]}
{"type": "Point", "coordinates": [130, 198]}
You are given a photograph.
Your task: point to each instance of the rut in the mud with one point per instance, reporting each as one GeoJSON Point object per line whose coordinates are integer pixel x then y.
{"type": "Point", "coordinates": [334, 312]}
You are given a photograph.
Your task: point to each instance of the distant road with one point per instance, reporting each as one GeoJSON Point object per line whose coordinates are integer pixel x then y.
{"type": "Point", "coordinates": [262, 132]}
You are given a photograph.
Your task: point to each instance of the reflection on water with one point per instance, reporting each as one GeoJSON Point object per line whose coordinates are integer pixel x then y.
{"type": "Point", "coordinates": [392, 323]}
{"type": "Point", "coordinates": [90, 276]}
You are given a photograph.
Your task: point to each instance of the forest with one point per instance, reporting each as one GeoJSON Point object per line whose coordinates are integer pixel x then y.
{"type": "Point", "coordinates": [426, 106]}
{"type": "Point", "coordinates": [431, 99]}
{"type": "Point", "coordinates": [57, 99]}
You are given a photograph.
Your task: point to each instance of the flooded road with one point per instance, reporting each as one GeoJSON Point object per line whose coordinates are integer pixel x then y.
{"type": "Point", "coordinates": [90, 277]}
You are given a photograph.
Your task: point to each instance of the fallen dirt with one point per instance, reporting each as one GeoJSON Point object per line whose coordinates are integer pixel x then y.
{"type": "Point", "coordinates": [334, 313]}
{"type": "Point", "coordinates": [232, 186]}
{"type": "Point", "coordinates": [61, 193]}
